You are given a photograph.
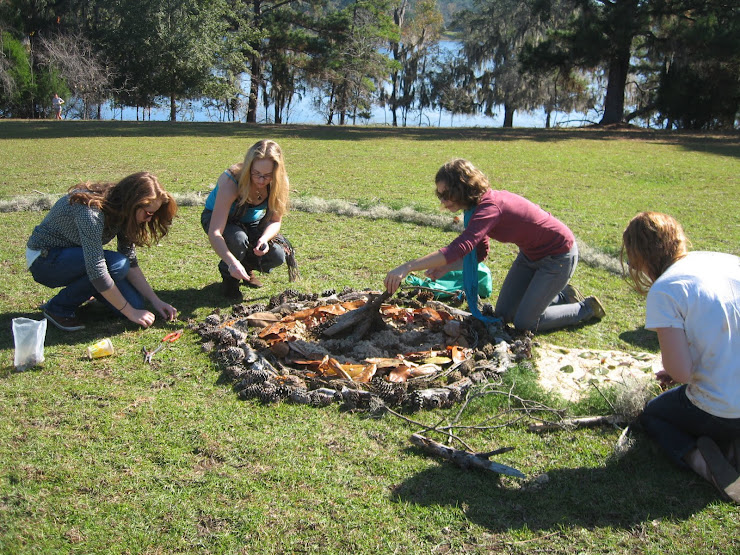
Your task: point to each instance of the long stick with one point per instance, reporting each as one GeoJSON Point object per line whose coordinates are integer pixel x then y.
{"type": "Point", "coordinates": [464, 459]}
{"type": "Point", "coordinates": [614, 419]}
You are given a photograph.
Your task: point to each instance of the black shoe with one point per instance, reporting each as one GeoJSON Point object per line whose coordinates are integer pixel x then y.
{"type": "Point", "coordinates": [230, 288]}
{"type": "Point", "coordinates": [64, 323]}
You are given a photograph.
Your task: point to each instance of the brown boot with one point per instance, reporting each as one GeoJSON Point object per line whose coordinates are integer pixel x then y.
{"type": "Point", "coordinates": [254, 281]}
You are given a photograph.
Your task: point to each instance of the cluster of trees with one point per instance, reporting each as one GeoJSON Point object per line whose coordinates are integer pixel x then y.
{"type": "Point", "coordinates": [673, 63]}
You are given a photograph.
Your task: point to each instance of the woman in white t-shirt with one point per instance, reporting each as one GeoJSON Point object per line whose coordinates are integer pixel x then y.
{"type": "Point", "coordinates": [693, 303]}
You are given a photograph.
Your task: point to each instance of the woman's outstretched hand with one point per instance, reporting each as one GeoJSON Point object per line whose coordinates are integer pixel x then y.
{"type": "Point", "coordinates": [167, 311]}
{"type": "Point", "coordinates": [237, 271]}
{"type": "Point", "coordinates": [395, 278]}
{"type": "Point", "coordinates": [142, 317]}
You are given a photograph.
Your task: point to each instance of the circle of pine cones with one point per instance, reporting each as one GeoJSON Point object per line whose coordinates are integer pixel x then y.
{"type": "Point", "coordinates": [247, 363]}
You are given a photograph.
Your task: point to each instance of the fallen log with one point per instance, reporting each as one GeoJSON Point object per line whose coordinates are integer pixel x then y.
{"type": "Point", "coordinates": [466, 459]}
{"type": "Point", "coordinates": [583, 421]}
{"type": "Point", "coordinates": [360, 320]}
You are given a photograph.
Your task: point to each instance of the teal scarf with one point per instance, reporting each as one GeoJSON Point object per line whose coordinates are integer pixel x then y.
{"type": "Point", "coordinates": [470, 278]}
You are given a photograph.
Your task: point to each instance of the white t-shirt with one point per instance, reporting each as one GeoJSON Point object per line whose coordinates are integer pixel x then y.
{"type": "Point", "coordinates": [701, 295]}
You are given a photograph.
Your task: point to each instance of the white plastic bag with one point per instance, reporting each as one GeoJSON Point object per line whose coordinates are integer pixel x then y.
{"type": "Point", "coordinates": [29, 336]}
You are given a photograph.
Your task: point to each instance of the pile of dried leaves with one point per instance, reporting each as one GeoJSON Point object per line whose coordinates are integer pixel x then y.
{"type": "Point", "coordinates": [417, 353]}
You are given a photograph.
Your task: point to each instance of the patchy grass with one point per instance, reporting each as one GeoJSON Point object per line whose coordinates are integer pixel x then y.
{"type": "Point", "coordinates": [115, 456]}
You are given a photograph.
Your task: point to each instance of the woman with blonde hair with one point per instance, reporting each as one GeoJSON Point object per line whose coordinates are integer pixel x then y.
{"type": "Point", "coordinates": [243, 216]}
{"type": "Point", "coordinates": [66, 248]}
{"type": "Point", "coordinates": [535, 295]}
{"type": "Point", "coordinates": [693, 303]}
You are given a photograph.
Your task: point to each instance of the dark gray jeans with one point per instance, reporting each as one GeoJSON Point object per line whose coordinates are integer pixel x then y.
{"type": "Point", "coordinates": [531, 298]}
{"type": "Point", "coordinates": [241, 239]}
{"type": "Point", "coordinates": [675, 423]}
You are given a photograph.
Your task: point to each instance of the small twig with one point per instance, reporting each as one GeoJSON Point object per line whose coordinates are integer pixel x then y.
{"type": "Point", "coordinates": [534, 539]}
{"type": "Point", "coordinates": [428, 428]}
{"type": "Point", "coordinates": [604, 397]}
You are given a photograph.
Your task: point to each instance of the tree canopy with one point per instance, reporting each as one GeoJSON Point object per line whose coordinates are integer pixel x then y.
{"type": "Point", "coordinates": [655, 62]}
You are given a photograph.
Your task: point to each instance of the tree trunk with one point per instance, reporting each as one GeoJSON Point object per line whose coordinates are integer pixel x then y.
{"type": "Point", "coordinates": [508, 116]}
{"type": "Point", "coordinates": [256, 69]}
{"type": "Point", "coordinates": [614, 101]}
{"type": "Point", "coordinates": [254, 89]}
{"type": "Point", "coordinates": [173, 107]}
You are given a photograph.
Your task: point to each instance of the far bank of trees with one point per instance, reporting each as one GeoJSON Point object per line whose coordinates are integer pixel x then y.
{"type": "Point", "coordinates": [664, 63]}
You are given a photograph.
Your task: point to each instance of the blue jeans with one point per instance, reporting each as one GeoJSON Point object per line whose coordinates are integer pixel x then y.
{"type": "Point", "coordinates": [241, 239]}
{"type": "Point", "coordinates": [675, 423]}
{"type": "Point", "coordinates": [531, 296]}
{"type": "Point", "coordinates": [65, 267]}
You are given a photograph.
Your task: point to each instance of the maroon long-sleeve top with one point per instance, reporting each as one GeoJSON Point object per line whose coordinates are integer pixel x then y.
{"type": "Point", "coordinates": [510, 218]}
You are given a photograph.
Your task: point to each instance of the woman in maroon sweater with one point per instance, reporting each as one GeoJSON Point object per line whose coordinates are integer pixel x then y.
{"type": "Point", "coordinates": [535, 295]}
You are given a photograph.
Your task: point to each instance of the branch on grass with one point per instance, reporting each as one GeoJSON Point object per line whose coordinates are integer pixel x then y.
{"type": "Point", "coordinates": [466, 459]}
{"type": "Point", "coordinates": [579, 422]}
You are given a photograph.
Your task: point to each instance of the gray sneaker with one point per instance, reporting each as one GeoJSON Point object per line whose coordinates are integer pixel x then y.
{"type": "Point", "coordinates": [572, 295]}
{"type": "Point", "coordinates": [595, 306]}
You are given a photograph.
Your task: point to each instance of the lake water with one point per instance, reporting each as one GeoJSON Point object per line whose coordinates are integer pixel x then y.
{"type": "Point", "coordinates": [303, 112]}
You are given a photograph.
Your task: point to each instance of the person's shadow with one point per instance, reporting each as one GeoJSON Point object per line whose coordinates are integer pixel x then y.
{"type": "Point", "coordinates": [639, 487]}
{"type": "Point", "coordinates": [100, 322]}
{"type": "Point", "coordinates": [641, 338]}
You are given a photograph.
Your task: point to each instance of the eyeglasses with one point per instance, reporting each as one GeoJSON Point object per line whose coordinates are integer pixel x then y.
{"type": "Point", "coordinates": [445, 195]}
{"type": "Point", "coordinates": [261, 176]}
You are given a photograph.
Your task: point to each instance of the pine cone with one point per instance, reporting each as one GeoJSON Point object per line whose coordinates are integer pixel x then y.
{"type": "Point", "coordinates": [213, 320]}
{"type": "Point", "coordinates": [229, 356]}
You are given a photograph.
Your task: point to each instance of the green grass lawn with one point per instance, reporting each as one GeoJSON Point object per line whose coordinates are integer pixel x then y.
{"type": "Point", "coordinates": [115, 456]}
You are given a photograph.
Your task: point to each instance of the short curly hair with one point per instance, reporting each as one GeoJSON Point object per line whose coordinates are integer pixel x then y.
{"type": "Point", "coordinates": [465, 183]}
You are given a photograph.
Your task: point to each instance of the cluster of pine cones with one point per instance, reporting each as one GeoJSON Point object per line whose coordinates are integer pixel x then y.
{"type": "Point", "coordinates": [249, 365]}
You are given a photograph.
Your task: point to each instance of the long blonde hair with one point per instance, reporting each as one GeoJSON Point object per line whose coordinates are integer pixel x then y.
{"type": "Point", "coordinates": [651, 242]}
{"type": "Point", "coordinates": [265, 149]}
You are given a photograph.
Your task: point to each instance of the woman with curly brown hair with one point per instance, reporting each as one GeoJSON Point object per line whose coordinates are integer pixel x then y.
{"type": "Point", "coordinates": [693, 303]}
{"type": "Point", "coordinates": [66, 248]}
{"type": "Point", "coordinates": [535, 295]}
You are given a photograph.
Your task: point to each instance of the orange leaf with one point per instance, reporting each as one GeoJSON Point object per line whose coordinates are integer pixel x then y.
{"type": "Point", "coordinates": [367, 374]}
{"type": "Point", "coordinates": [351, 305]}
{"type": "Point", "coordinates": [399, 375]}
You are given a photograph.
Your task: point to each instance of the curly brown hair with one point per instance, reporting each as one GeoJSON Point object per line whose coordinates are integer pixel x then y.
{"type": "Point", "coordinates": [651, 242]}
{"type": "Point", "coordinates": [465, 183]}
{"type": "Point", "coordinates": [120, 201]}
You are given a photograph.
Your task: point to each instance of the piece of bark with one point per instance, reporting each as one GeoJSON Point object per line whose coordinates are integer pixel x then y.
{"type": "Point", "coordinates": [612, 419]}
{"type": "Point", "coordinates": [360, 320]}
{"type": "Point", "coordinates": [465, 459]}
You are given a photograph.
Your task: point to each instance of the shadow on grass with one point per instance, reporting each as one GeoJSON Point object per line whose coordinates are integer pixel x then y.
{"type": "Point", "coordinates": [641, 338]}
{"type": "Point", "coordinates": [722, 144]}
{"type": "Point", "coordinates": [640, 487]}
{"type": "Point", "coordinates": [100, 322]}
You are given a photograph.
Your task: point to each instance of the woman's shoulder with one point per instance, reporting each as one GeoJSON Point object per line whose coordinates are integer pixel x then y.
{"type": "Point", "coordinates": [235, 171]}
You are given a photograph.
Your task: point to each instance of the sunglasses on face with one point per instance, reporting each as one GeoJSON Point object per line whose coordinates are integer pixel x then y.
{"type": "Point", "coordinates": [445, 195]}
